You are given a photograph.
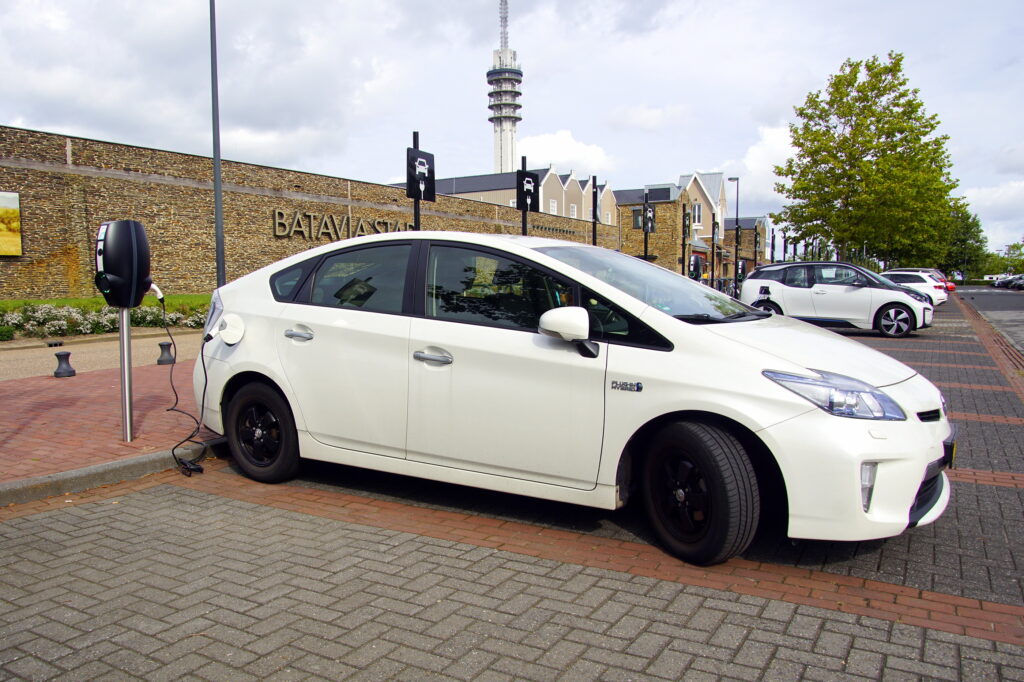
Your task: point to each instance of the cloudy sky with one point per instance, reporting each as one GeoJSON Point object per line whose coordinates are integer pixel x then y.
{"type": "Point", "coordinates": [634, 91]}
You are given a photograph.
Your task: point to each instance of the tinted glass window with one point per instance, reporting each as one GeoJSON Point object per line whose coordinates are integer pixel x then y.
{"type": "Point", "coordinates": [611, 324]}
{"type": "Point", "coordinates": [285, 284]}
{"type": "Point", "coordinates": [369, 279]}
{"type": "Point", "coordinates": [902, 278]}
{"type": "Point", "coordinates": [667, 291]}
{"type": "Point", "coordinates": [839, 275]}
{"type": "Point", "coordinates": [464, 285]}
{"type": "Point", "coordinates": [797, 277]}
{"type": "Point", "coordinates": [773, 274]}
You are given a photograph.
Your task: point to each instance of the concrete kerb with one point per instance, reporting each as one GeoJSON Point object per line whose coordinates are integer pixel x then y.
{"type": "Point", "coordinates": [97, 475]}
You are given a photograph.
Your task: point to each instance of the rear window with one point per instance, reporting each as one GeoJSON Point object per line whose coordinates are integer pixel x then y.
{"type": "Point", "coordinates": [285, 284]}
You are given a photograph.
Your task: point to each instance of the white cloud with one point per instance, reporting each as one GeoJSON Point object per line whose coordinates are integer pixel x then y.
{"type": "Point", "coordinates": [647, 118]}
{"type": "Point", "coordinates": [566, 153]}
{"type": "Point", "coordinates": [999, 210]}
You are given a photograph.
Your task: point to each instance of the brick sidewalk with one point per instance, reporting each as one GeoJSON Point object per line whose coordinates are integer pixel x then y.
{"type": "Point", "coordinates": [346, 573]}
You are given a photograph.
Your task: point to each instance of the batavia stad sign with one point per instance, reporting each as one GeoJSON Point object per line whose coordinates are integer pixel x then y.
{"type": "Point", "coordinates": [315, 226]}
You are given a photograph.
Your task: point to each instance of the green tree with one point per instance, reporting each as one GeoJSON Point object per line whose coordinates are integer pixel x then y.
{"type": "Point", "coordinates": [967, 244]}
{"type": "Point", "coordinates": [869, 175]}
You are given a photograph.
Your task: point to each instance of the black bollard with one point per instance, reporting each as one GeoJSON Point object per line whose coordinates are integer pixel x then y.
{"type": "Point", "coordinates": [165, 354]}
{"type": "Point", "coordinates": [64, 368]}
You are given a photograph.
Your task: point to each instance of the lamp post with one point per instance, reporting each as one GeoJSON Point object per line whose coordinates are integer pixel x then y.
{"type": "Point", "coordinates": [736, 256]}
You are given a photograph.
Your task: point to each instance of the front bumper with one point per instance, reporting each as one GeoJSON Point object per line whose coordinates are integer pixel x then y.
{"type": "Point", "coordinates": [822, 456]}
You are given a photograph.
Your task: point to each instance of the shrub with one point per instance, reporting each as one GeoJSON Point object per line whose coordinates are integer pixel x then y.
{"type": "Point", "coordinates": [47, 320]}
{"type": "Point", "coordinates": [6, 333]}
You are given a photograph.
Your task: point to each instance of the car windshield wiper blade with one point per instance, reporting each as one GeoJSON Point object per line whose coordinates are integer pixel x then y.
{"type": "Point", "coordinates": [699, 318]}
{"type": "Point", "coordinates": [748, 313]}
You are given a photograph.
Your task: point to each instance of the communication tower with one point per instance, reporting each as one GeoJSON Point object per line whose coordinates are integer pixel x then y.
{"type": "Point", "coordinates": [504, 78]}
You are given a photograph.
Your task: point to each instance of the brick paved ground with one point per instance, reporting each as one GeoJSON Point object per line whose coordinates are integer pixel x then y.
{"type": "Point", "coordinates": [347, 573]}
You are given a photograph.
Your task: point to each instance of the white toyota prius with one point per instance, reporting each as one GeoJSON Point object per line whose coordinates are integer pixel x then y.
{"type": "Point", "coordinates": [574, 373]}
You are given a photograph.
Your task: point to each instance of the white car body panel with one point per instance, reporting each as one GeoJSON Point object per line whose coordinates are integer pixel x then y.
{"type": "Point", "coordinates": [525, 413]}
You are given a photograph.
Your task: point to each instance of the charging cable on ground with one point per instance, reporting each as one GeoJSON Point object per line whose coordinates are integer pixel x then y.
{"type": "Point", "coordinates": [185, 465]}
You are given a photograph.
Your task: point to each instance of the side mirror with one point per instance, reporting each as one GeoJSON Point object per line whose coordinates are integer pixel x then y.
{"type": "Point", "coordinates": [572, 324]}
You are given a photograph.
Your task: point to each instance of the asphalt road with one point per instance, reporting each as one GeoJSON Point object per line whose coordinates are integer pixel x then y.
{"type": "Point", "coordinates": [1004, 309]}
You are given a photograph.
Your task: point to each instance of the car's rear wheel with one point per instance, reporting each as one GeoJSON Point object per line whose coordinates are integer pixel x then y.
{"type": "Point", "coordinates": [767, 306]}
{"type": "Point", "coordinates": [895, 321]}
{"type": "Point", "coordinates": [261, 434]}
{"type": "Point", "coordinates": [700, 493]}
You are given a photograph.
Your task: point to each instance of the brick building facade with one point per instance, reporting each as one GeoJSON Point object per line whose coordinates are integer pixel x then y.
{"type": "Point", "coordinates": [67, 186]}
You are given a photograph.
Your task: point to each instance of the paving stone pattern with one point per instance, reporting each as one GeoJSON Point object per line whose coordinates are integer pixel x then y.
{"type": "Point", "coordinates": [170, 583]}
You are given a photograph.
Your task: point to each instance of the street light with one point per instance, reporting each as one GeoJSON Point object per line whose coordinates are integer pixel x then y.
{"type": "Point", "coordinates": [736, 256]}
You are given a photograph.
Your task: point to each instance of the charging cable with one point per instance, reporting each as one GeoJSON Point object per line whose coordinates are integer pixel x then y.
{"type": "Point", "coordinates": [186, 466]}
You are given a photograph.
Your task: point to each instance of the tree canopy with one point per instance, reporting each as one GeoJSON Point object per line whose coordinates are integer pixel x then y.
{"type": "Point", "coordinates": [869, 174]}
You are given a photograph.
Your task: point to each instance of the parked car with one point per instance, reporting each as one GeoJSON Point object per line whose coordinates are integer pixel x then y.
{"type": "Point", "coordinates": [1017, 283]}
{"type": "Point", "coordinates": [573, 373]}
{"type": "Point", "coordinates": [1003, 281]}
{"type": "Point", "coordinates": [934, 272]}
{"type": "Point", "coordinates": [923, 282]}
{"type": "Point", "coordinates": [833, 294]}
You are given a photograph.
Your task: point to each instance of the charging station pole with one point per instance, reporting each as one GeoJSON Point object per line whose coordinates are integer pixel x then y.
{"type": "Point", "coordinates": [125, 337]}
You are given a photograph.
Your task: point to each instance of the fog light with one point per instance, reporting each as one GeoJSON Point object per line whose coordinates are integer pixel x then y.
{"type": "Point", "coordinates": [867, 482]}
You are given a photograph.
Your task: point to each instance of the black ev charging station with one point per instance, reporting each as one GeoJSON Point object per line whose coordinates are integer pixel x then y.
{"type": "Point", "coordinates": [527, 192]}
{"type": "Point", "coordinates": [420, 177]}
{"type": "Point", "coordinates": [122, 276]}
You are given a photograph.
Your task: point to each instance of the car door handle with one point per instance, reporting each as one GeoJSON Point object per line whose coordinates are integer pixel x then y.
{"type": "Point", "coordinates": [304, 336]}
{"type": "Point", "coordinates": [430, 357]}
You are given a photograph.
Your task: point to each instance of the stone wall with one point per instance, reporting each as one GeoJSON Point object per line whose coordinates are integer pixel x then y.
{"type": "Point", "coordinates": [68, 186]}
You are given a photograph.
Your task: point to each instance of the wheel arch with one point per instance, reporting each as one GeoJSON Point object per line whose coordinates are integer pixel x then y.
{"type": "Point", "coordinates": [235, 384]}
{"type": "Point", "coordinates": [770, 481]}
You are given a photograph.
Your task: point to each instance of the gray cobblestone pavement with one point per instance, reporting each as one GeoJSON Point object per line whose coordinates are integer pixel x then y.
{"type": "Point", "coordinates": [168, 583]}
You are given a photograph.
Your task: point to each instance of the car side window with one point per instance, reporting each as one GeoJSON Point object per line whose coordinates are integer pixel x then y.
{"type": "Point", "coordinates": [797, 277]}
{"type": "Point", "coordinates": [368, 279]}
{"type": "Point", "coordinates": [465, 285]}
{"type": "Point", "coordinates": [839, 275]}
{"type": "Point", "coordinates": [611, 324]}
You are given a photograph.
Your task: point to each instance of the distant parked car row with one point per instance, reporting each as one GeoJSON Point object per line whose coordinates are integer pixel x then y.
{"type": "Point", "coordinates": [1010, 282]}
{"type": "Point", "coordinates": [833, 294]}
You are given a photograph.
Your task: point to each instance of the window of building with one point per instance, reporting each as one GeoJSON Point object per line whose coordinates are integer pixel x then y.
{"type": "Point", "coordinates": [607, 217]}
{"type": "Point", "coordinates": [695, 217]}
{"type": "Point", "coordinates": [572, 210]}
{"type": "Point", "coordinates": [512, 203]}
{"type": "Point", "coordinates": [553, 207]}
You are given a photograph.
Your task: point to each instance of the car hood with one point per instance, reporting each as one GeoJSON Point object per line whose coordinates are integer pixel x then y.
{"type": "Point", "coordinates": [814, 348]}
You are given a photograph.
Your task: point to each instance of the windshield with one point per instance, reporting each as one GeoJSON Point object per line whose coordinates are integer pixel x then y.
{"type": "Point", "coordinates": [667, 291]}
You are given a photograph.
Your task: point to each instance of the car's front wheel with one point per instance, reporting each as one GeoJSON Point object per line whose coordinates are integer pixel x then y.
{"type": "Point", "coordinates": [700, 492]}
{"type": "Point", "coordinates": [261, 434]}
{"type": "Point", "coordinates": [895, 321]}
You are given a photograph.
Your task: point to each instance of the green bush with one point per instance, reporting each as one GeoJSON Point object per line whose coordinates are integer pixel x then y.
{"type": "Point", "coordinates": [6, 333]}
{"type": "Point", "coordinates": [46, 320]}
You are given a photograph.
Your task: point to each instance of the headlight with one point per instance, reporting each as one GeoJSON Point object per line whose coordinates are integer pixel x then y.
{"type": "Point", "coordinates": [213, 315]}
{"type": "Point", "coordinates": [840, 395]}
{"type": "Point", "coordinates": [918, 296]}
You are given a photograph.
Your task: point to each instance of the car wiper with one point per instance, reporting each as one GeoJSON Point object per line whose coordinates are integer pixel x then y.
{"type": "Point", "coordinates": [748, 313]}
{"type": "Point", "coordinates": [699, 318]}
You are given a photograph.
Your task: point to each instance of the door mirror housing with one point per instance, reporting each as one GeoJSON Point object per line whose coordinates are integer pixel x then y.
{"type": "Point", "coordinates": [569, 323]}
{"type": "Point", "coordinates": [572, 324]}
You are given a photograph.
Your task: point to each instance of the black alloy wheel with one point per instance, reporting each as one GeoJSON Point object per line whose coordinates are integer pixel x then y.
{"type": "Point", "coordinates": [700, 493]}
{"type": "Point", "coordinates": [261, 434]}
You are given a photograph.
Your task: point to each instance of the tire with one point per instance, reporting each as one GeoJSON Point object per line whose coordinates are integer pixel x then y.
{"type": "Point", "coordinates": [768, 306]}
{"type": "Point", "coordinates": [261, 433]}
{"type": "Point", "coordinates": [700, 493]}
{"type": "Point", "coordinates": [894, 321]}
